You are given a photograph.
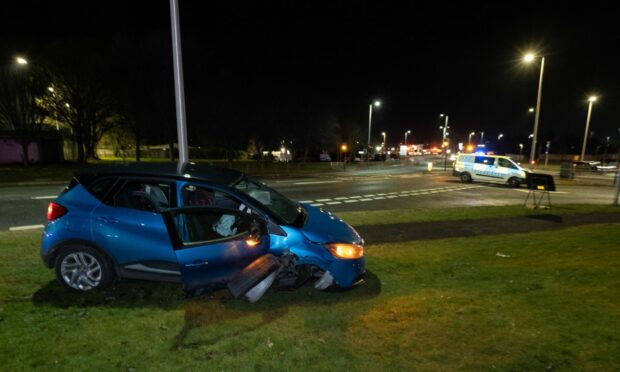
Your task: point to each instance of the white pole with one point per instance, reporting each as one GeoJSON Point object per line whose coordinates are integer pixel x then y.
{"type": "Point", "coordinates": [537, 114]}
{"type": "Point", "coordinates": [369, 125]}
{"type": "Point", "coordinates": [585, 135]}
{"type": "Point", "coordinates": [177, 60]}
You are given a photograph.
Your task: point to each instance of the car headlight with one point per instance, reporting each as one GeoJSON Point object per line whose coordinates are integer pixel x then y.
{"type": "Point", "coordinates": [345, 250]}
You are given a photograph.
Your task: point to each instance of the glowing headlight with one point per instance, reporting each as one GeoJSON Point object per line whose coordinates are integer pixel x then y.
{"type": "Point", "coordinates": [346, 251]}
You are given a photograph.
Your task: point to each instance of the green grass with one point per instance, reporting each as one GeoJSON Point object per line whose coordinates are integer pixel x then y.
{"type": "Point", "coordinates": [428, 305]}
{"type": "Point", "coordinates": [380, 217]}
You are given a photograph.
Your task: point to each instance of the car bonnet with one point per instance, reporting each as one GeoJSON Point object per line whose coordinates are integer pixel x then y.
{"type": "Point", "coordinates": [325, 227]}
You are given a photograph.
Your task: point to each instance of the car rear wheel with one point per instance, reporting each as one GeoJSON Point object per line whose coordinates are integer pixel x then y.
{"type": "Point", "coordinates": [465, 177]}
{"type": "Point", "coordinates": [82, 268]}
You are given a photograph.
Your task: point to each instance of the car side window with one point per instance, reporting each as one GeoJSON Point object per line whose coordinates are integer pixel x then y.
{"type": "Point", "coordinates": [149, 196]}
{"type": "Point", "coordinates": [206, 226]}
{"type": "Point", "coordinates": [101, 187]}
{"type": "Point", "coordinates": [201, 196]}
{"type": "Point", "coordinates": [506, 163]}
{"type": "Point", "coordinates": [484, 160]}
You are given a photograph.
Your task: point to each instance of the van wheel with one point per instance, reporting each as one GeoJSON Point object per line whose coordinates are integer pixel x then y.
{"type": "Point", "coordinates": [465, 177]}
{"type": "Point", "coordinates": [514, 182]}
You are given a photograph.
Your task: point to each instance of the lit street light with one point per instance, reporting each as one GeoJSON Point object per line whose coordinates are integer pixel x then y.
{"type": "Point", "coordinates": [21, 61]}
{"type": "Point", "coordinates": [406, 133]}
{"type": "Point", "coordinates": [445, 127]}
{"type": "Point", "coordinates": [591, 100]}
{"type": "Point", "coordinates": [384, 136]}
{"type": "Point", "coordinates": [469, 139]}
{"type": "Point", "coordinates": [501, 135]}
{"type": "Point", "coordinates": [482, 138]}
{"type": "Point", "coordinates": [377, 104]}
{"type": "Point", "coordinates": [531, 109]}
{"type": "Point", "coordinates": [529, 58]}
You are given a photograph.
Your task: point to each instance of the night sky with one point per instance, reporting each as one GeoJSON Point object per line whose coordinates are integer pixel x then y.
{"type": "Point", "coordinates": [299, 60]}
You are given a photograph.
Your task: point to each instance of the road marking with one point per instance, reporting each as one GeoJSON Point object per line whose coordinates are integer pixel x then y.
{"type": "Point", "coordinates": [379, 197]}
{"type": "Point", "coordinates": [316, 204]}
{"type": "Point", "coordinates": [306, 201]}
{"type": "Point", "coordinates": [341, 198]}
{"type": "Point", "coordinates": [392, 196]}
{"type": "Point", "coordinates": [365, 199]}
{"type": "Point", "coordinates": [355, 197]}
{"type": "Point", "coordinates": [334, 202]}
{"type": "Point", "coordinates": [314, 182]}
{"type": "Point", "coordinates": [323, 200]}
{"type": "Point", "coordinates": [369, 195]}
{"type": "Point", "coordinates": [44, 197]}
{"type": "Point", "coordinates": [351, 201]}
{"type": "Point", "coordinates": [30, 227]}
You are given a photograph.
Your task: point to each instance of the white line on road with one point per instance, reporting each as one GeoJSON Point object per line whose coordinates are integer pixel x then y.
{"type": "Point", "coordinates": [44, 197]}
{"type": "Point", "coordinates": [323, 200]}
{"type": "Point", "coordinates": [334, 202]}
{"type": "Point", "coordinates": [316, 204]}
{"type": "Point", "coordinates": [306, 201]}
{"type": "Point", "coordinates": [314, 182]}
{"type": "Point", "coordinates": [351, 201]}
{"type": "Point", "coordinates": [30, 227]}
{"type": "Point", "coordinates": [341, 198]}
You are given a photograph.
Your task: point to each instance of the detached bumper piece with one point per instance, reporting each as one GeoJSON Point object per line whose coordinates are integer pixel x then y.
{"type": "Point", "coordinates": [255, 279]}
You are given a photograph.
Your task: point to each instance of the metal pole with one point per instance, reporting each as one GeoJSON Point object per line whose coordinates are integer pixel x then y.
{"type": "Point", "coordinates": [369, 125]}
{"type": "Point", "coordinates": [617, 187]}
{"type": "Point", "coordinates": [585, 135]}
{"type": "Point", "coordinates": [445, 127]}
{"type": "Point", "coordinates": [177, 60]}
{"type": "Point", "coordinates": [537, 114]}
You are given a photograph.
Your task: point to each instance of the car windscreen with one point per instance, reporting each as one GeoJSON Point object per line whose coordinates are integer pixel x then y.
{"type": "Point", "coordinates": [288, 211]}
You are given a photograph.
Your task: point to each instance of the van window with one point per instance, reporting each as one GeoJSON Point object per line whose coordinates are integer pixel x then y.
{"type": "Point", "coordinates": [506, 163]}
{"type": "Point", "coordinates": [484, 160]}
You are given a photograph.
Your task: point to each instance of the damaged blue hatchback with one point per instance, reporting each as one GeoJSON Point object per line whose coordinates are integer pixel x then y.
{"type": "Point", "coordinates": [204, 226]}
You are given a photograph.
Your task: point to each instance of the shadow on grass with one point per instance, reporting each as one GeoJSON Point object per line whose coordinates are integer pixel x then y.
{"type": "Point", "coordinates": [205, 311]}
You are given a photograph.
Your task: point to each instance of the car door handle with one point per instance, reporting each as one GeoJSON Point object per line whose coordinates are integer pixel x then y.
{"type": "Point", "coordinates": [197, 263]}
{"type": "Point", "coordinates": [107, 219]}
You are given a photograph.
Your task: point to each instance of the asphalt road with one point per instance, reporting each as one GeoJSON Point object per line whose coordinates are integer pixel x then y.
{"type": "Point", "coordinates": [388, 188]}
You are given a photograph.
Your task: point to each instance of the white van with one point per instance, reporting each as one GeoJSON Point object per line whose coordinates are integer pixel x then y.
{"type": "Point", "coordinates": [489, 168]}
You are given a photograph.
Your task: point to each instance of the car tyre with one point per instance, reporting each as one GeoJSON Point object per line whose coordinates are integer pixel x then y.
{"type": "Point", "coordinates": [514, 182]}
{"type": "Point", "coordinates": [465, 177]}
{"type": "Point", "coordinates": [81, 268]}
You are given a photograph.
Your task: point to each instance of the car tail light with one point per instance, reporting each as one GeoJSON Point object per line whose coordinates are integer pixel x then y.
{"type": "Point", "coordinates": [55, 210]}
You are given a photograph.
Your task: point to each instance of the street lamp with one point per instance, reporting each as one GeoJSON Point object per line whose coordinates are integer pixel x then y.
{"type": "Point", "coordinates": [377, 104]}
{"type": "Point", "coordinates": [591, 100]}
{"type": "Point", "coordinates": [501, 135]}
{"type": "Point", "coordinates": [469, 139]}
{"type": "Point", "coordinates": [406, 133]}
{"type": "Point", "coordinates": [384, 136]}
{"type": "Point", "coordinates": [445, 127]}
{"type": "Point", "coordinates": [529, 58]}
{"type": "Point", "coordinates": [531, 109]}
{"type": "Point", "coordinates": [21, 61]}
{"type": "Point", "coordinates": [482, 138]}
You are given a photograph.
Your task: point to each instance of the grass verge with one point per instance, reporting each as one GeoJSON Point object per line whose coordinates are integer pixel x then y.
{"type": "Point", "coordinates": [547, 301]}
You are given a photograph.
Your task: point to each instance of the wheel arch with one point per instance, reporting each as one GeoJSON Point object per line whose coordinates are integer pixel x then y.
{"type": "Point", "coordinates": [50, 259]}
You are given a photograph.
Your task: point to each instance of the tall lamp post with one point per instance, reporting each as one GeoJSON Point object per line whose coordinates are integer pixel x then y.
{"type": "Point", "coordinates": [469, 139]}
{"type": "Point", "coordinates": [529, 58]}
{"type": "Point", "coordinates": [376, 104]}
{"type": "Point", "coordinates": [406, 133]}
{"type": "Point", "coordinates": [591, 100]}
{"type": "Point", "coordinates": [445, 127]}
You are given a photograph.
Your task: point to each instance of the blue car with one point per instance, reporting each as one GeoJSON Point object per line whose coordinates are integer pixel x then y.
{"type": "Point", "coordinates": [204, 226]}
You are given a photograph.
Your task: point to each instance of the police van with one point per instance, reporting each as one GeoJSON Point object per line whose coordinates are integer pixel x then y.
{"type": "Point", "coordinates": [489, 168]}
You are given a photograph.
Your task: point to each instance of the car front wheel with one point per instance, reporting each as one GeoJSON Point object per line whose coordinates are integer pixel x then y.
{"type": "Point", "coordinates": [83, 268]}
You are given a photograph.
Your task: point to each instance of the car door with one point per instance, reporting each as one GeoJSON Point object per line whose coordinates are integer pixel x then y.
{"type": "Point", "coordinates": [128, 224]}
{"type": "Point", "coordinates": [212, 244]}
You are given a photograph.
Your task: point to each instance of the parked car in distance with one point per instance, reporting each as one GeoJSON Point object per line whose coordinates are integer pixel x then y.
{"type": "Point", "coordinates": [204, 226]}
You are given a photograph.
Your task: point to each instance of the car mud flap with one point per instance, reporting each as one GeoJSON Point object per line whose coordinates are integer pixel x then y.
{"type": "Point", "coordinates": [260, 273]}
{"type": "Point", "coordinates": [324, 281]}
